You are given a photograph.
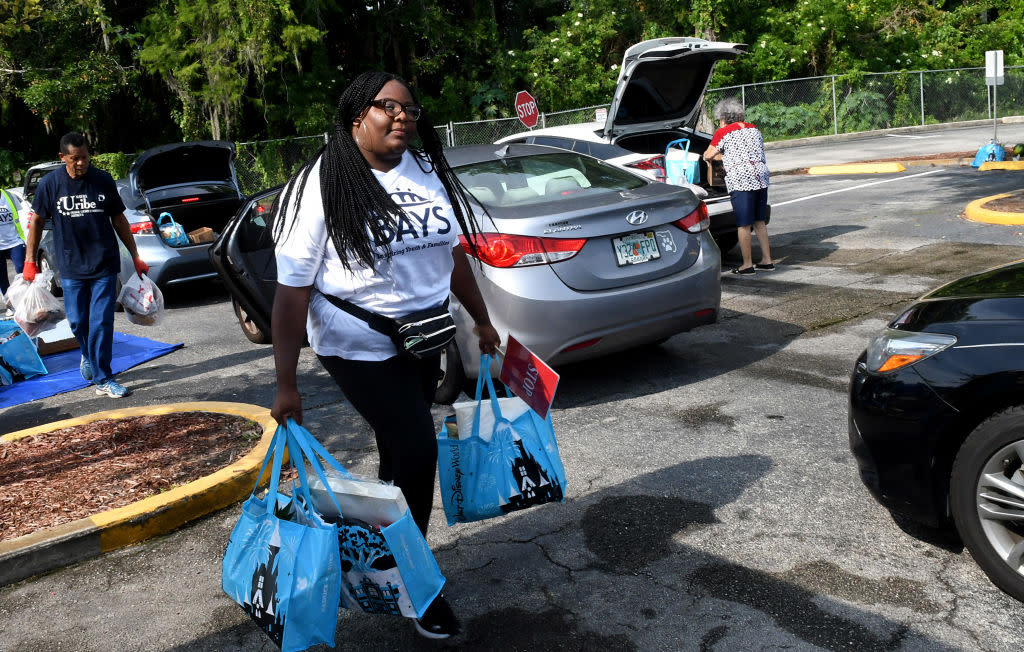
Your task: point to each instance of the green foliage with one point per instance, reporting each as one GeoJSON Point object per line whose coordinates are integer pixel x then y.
{"type": "Point", "coordinates": [209, 52]}
{"type": "Point", "coordinates": [862, 111]}
{"type": "Point", "coordinates": [116, 163]}
{"type": "Point", "coordinates": [778, 121]}
{"type": "Point", "coordinates": [255, 69]}
{"type": "Point", "coordinates": [10, 166]}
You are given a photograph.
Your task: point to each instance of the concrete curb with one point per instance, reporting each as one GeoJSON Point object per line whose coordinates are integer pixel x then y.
{"type": "Point", "coordinates": [976, 212]}
{"type": "Point", "coordinates": [88, 537]}
{"type": "Point", "coordinates": [857, 135]}
{"type": "Point", "coordinates": [857, 168]}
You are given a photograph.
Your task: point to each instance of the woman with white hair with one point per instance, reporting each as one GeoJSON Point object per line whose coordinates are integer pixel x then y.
{"type": "Point", "coordinates": [740, 147]}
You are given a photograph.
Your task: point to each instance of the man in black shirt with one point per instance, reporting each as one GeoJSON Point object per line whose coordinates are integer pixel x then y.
{"type": "Point", "coordinates": [86, 213]}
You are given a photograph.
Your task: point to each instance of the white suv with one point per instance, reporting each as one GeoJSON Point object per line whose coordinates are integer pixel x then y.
{"type": "Point", "coordinates": [658, 99]}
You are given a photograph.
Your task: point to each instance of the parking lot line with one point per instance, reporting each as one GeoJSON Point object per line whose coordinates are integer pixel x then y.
{"type": "Point", "coordinates": [858, 186]}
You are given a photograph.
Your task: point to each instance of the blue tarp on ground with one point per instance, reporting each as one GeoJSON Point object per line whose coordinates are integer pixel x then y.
{"type": "Point", "coordinates": [63, 374]}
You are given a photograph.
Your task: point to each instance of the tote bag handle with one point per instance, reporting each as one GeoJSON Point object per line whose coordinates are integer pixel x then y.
{"type": "Point", "coordinates": [484, 378]}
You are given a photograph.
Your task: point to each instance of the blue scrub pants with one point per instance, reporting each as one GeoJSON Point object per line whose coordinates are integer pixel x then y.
{"type": "Point", "coordinates": [89, 304]}
{"type": "Point", "coordinates": [17, 256]}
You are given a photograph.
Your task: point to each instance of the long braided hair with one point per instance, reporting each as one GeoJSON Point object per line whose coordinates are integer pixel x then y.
{"type": "Point", "coordinates": [358, 212]}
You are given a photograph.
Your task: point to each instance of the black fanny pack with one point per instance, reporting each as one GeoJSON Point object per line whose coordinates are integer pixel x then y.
{"type": "Point", "coordinates": [419, 334]}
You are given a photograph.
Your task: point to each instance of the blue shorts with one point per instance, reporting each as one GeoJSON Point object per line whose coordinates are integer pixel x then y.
{"type": "Point", "coordinates": [750, 206]}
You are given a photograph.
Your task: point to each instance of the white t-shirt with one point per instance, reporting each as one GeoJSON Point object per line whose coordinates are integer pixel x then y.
{"type": "Point", "coordinates": [415, 277]}
{"type": "Point", "coordinates": [8, 232]}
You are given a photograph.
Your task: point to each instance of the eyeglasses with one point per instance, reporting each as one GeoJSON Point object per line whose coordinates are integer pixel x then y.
{"type": "Point", "coordinates": [394, 108]}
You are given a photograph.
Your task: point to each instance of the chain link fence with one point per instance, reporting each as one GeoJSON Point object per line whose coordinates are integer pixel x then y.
{"type": "Point", "coordinates": [262, 164]}
{"type": "Point", "coordinates": [795, 108]}
{"type": "Point", "coordinates": [818, 106]}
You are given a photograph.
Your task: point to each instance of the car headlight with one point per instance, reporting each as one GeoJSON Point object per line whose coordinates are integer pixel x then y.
{"type": "Point", "coordinates": [895, 349]}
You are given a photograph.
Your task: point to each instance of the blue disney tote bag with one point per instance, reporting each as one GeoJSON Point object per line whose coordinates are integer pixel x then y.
{"type": "Point", "coordinates": [282, 563]}
{"type": "Point", "coordinates": [504, 460]}
{"type": "Point", "coordinates": [386, 565]}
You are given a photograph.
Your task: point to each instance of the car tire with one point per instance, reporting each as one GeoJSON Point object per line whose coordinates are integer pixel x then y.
{"type": "Point", "coordinates": [252, 331]}
{"type": "Point", "coordinates": [988, 478]}
{"type": "Point", "coordinates": [726, 241]}
{"type": "Point", "coordinates": [46, 266]}
{"type": "Point", "coordinates": [453, 376]}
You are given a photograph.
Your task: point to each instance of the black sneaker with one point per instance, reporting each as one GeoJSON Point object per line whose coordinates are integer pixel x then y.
{"type": "Point", "coordinates": [438, 621]}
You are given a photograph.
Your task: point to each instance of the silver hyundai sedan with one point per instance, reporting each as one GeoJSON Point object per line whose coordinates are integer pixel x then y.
{"type": "Point", "coordinates": [576, 258]}
{"type": "Point", "coordinates": [579, 258]}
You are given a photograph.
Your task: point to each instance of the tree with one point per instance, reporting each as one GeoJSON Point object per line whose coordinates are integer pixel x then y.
{"type": "Point", "coordinates": [212, 52]}
{"type": "Point", "coordinates": [80, 68]}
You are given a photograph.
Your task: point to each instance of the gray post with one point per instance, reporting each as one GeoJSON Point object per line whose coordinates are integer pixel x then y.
{"type": "Point", "coordinates": [326, 137]}
{"type": "Point", "coordinates": [922, 98]}
{"type": "Point", "coordinates": [743, 97]}
{"type": "Point", "coordinates": [451, 134]}
{"type": "Point", "coordinates": [835, 108]}
{"type": "Point", "coordinates": [995, 111]}
{"type": "Point", "coordinates": [543, 120]}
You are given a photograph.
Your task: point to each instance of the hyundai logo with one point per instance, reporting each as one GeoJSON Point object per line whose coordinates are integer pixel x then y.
{"type": "Point", "coordinates": [636, 218]}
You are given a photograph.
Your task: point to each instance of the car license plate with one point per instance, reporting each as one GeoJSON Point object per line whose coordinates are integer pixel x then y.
{"type": "Point", "coordinates": [636, 248]}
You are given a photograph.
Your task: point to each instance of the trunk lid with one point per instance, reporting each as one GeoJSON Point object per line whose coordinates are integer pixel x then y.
{"type": "Point", "coordinates": [662, 81]}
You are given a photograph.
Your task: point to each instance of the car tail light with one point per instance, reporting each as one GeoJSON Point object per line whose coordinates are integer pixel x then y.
{"type": "Point", "coordinates": [581, 345]}
{"type": "Point", "coordinates": [655, 163]}
{"type": "Point", "coordinates": [894, 349]}
{"type": "Point", "coordinates": [696, 221]}
{"type": "Point", "coordinates": [140, 224]}
{"type": "Point", "coordinates": [502, 250]}
{"type": "Point", "coordinates": [189, 200]}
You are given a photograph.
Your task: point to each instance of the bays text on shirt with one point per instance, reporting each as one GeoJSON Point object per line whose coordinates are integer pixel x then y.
{"type": "Point", "coordinates": [418, 215]}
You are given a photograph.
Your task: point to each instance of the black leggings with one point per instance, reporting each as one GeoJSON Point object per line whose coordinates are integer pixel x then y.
{"type": "Point", "coordinates": [395, 396]}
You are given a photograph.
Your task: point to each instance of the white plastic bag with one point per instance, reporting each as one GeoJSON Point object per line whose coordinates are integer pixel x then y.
{"type": "Point", "coordinates": [14, 292]}
{"type": "Point", "coordinates": [365, 499]}
{"type": "Point", "coordinates": [35, 309]}
{"type": "Point", "coordinates": [142, 301]}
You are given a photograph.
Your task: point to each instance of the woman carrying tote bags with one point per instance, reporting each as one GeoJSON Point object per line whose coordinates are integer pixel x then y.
{"type": "Point", "coordinates": [373, 221]}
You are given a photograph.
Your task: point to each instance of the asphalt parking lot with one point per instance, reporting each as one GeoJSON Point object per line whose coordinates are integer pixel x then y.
{"type": "Point", "coordinates": [712, 501]}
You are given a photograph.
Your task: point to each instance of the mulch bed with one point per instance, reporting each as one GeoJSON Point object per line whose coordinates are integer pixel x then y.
{"type": "Point", "coordinates": [64, 475]}
{"type": "Point", "coordinates": [1012, 204]}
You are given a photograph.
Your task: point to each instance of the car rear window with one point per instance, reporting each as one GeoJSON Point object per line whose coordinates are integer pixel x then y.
{"type": "Point", "coordinates": [542, 178]}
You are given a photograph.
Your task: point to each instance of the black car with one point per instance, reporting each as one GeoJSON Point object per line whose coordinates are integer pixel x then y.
{"type": "Point", "coordinates": [936, 417]}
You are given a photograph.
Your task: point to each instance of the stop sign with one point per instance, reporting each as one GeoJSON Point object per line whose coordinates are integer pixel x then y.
{"type": "Point", "coordinates": [526, 109]}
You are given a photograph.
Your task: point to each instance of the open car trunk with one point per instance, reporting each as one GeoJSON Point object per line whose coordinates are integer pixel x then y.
{"type": "Point", "coordinates": [195, 182]}
{"type": "Point", "coordinates": [656, 142]}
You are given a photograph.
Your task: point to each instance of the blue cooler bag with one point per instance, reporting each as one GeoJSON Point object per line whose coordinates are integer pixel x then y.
{"type": "Point", "coordinates": [282, 564]}
{"type": "Point", "coordinates": [511, 465]}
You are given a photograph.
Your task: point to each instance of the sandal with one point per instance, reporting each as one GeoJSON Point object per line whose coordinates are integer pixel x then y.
{"type": "Point", "coordinates": [766, 266]}
{"type": "Point", "coordinates": [745, 271]}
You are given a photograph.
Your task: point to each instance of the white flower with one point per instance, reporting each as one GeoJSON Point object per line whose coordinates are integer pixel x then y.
{"type": "Point", "coordinates": [924, 56]}
{"type": "Point", "coordinates": [805, 51]}
{"type": "Point", "coordinates": [792, 60]}
{"type": "Point", "coordinates": [554, 40]}
{"type": "Point", "coordinates": [576, 24]}
{"type": "Point", "coordinates": [762, 43]}
{"type": "Point", "coordinates": [581, 15]}
{"type": "Point", "coordinates": [615, 66]}
{"type": "Point", "coordinates": [568, 33]}
{"type": "Point", "coordinates": [511, 53]}
{"type": "Point", "coordinates": [555, 60]}
{"type": "Point", "coordinates": [936, 53]}
{"type": "Point", "coordinates": [536, 75]}
{"type": "Point", "coordinates": [897, 60]}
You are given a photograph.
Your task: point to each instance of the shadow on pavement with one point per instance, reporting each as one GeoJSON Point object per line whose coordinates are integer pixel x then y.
{"type": "Point", "coordinates": [627, 568]}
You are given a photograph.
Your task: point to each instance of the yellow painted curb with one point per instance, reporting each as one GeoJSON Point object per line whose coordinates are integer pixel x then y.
{"type": "Point", "coordinates": [857, 168]}
{"type": "Point", "coordinates": [976, 212]}
{"type": "Point", "coordinates": [1002, 165]}
{"type": "Point", "coordinates": [166, 511]}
